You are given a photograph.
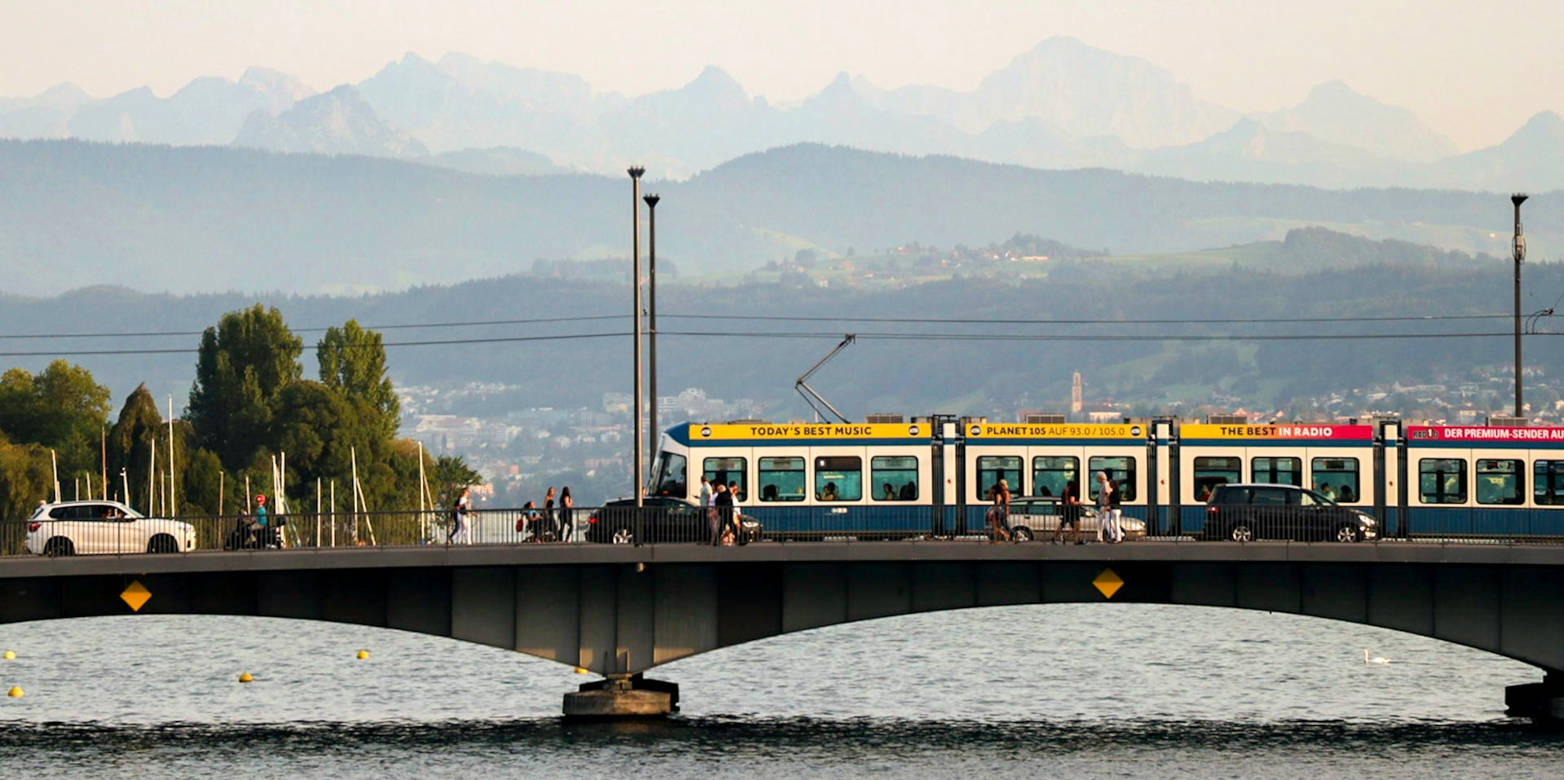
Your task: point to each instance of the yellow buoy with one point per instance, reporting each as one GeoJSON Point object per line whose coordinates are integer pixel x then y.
{"type": "Point", "coordinates": [15, 692]}
{"type": "Point", "coordinates": [245, 677]}
{"type": "Point", "coordinates": [10, 655]}
{"type": "Point", "coordinates": [362, 654]}
{"type": "Point", "coordinates": [581, 670]}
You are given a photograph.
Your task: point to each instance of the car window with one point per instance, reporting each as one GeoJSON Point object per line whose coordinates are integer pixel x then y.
{"type": "Point", "coordinates": [1230, 495]}
{"type": "Point", "coordinates": [1311, 498]}
{"type": "Point", "coordinates": [1268, 497]}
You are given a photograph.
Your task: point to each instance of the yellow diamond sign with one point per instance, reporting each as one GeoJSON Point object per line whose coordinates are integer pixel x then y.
{"type": "Point", "coordinates": [1108, 583]}
{"type": "Point", "coordinates": [136, 595]}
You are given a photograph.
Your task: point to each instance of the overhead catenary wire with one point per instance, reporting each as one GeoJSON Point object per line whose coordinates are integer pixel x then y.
{"type": "Point", "coordinates": [809, 318]}
{"type": "Point", "coordinates": [881, 336]}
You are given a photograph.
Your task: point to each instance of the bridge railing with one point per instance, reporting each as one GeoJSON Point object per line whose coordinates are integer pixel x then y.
{"type": "Point", "coordinates": [677, 523]}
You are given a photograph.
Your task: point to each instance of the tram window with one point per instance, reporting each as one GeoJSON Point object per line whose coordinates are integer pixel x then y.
{"type": "Point", "coordinates": [839, 478]}
{"type": "Point", "coordinates": [895, 477]}
{"type": "Point", "coordinates": [1051, 474]}
{"type": "Point", "coordinates": [1441, 480]}
{"type": "Point", "coordinates": [1547, 483]}
{"type": "Point", "coordinates": [1501, 481]}
{"type": "Point", "coordinates": [1210, 472]}
{"type": "Point", "coordinates": [725, 470]}
{"type": "Point", "coordinates": [1277, 471]}
{"type": "Point", "coordinates": [670, 477]}
{"type": "Point", "coordinates": [1121, 469]}
{"type": "Point", "coordinates": [781, 479]}
{"type": "Point", "coordinates": [991, 469]}
{"type": "Point", "coordinates": [1336, 478]}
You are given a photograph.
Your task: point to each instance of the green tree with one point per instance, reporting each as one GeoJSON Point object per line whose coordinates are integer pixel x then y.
{"type": "Point", "coordinates": [242, 368]}
{"type": "Point", "coordinates": [60, 408]}
{"type": "Point", "coordinates": [353, 362]}
{"type": "Point", "coordinates": [24, 480]}
{"type": "Point", "coordinates": [449, 475]}
{"type": "Point", "coordinates": [130, 445]}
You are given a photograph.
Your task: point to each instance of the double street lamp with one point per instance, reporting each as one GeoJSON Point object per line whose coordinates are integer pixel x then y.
{"type": "Point", "coordinates": [1520, 255]}
{"type": "Point", "coordinates": [638, 454]}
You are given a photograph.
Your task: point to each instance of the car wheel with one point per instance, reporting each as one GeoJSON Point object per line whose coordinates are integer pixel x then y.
{"type": "Point", "coordinates": [59, 546]}
{"type": "Point", "coordinates": [1348, 533]}
{"type": "Point", "coordinates": [624, 536]}
{"type": "Point", "coordinates": [1021, 533]}
{"type": "Point", "coordinates": [1241, 533]}
{"type": "Point", "coordinates": [162, 543]}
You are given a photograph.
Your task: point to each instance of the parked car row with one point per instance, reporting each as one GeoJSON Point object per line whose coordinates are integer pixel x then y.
{"type": "Point", "coordinates": [1238, 512]}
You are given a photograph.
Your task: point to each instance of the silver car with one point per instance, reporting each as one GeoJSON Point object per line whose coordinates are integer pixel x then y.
{"type": "Point", "coordinates": [103, 527]}
{"type": "Point", "coordinates": [1033, 517]}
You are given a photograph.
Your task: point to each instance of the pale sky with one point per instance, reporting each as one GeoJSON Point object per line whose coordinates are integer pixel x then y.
{"type": "Point", "coordinates": [1473, 70]}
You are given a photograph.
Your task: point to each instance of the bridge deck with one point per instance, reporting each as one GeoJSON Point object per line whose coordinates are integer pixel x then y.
{"type": "Point", "coordinates": [313, 559]}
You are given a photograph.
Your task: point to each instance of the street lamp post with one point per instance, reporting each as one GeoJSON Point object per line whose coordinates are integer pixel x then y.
{"type": "Point", "coordinates": [635, 279]}
{"type": "Point", "coordinates": [1520, 255]}
{"type": "Point", "coordinates": [651, 319]}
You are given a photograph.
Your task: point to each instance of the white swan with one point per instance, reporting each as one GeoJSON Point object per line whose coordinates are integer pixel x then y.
{"type": "Point", "coordinates": [1375, 660]}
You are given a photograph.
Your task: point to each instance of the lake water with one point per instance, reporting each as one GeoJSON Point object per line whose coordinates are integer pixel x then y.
{"type": "Point", "coordinates": [1077, 690]}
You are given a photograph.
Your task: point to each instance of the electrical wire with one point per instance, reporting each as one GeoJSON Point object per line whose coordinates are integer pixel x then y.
{"type": "Point", "coordinates": [397, 326]}
{"type": "Point", "coordinates": [883, 336]}
{"type": "Point", "coordinates": [803, 318]}
{"type": "Point", "coordinates": [437, 342]}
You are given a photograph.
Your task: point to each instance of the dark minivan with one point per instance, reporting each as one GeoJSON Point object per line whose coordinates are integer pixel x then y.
{"type": "Point", "coordinates": [1246, 512]}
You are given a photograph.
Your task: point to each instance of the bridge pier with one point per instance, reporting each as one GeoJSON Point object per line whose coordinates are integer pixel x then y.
{"type": "Point", "coordinates": [622, 697]}
{"type": "Point", "coordinates": [1542, 702]}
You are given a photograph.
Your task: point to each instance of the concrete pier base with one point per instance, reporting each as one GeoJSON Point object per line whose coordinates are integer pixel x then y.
{"type": "Point", "coordinates": [1542, 702]}
{"type": "Point", "coordinates": [622, 697]}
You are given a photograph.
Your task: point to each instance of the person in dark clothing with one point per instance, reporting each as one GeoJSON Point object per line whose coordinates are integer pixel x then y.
{"type": "Point", "coordinates": [724, 506]}
{"type": "Point", "coordinates": [548, 514]}
{"type": "Point", "coordinates": [1070, 512]}
{"type": "Point", "coordinates": [565, 523]}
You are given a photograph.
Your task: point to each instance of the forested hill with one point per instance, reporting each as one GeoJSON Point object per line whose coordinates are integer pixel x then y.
{"type": "Point", "coordinates": [1261, 287]}
{"type": "Point", "coordinates": [188, 220]}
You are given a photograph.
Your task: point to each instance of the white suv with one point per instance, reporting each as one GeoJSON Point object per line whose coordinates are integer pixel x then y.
{"type": "Point", "coordinates": [97, 527]}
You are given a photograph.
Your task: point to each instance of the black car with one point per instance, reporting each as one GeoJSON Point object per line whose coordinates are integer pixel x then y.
{"type": "Point", "coordinates": [664, 519]}
{"type": "Point", "coordinates": [1244, 513]}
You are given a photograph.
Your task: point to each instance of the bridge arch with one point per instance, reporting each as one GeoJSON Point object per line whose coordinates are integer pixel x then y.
{"type": "Point", "coordinates": [620, 611]}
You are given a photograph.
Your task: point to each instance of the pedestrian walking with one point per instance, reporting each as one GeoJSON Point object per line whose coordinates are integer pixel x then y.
{"type": "Point", "coordinates": [548, 514]}
{"type": "Point", "coordinates": [566, 524]}
{"type": "Point", "coordinates": [460, 534]}
{"type": "Point", "coordinates": [709, 506]}
{"type": "Point", "coordinates": [1070, 511]}
{"type": "Point", "coordinates": [736, 521]}
{"type": "Point", "coordinates": [1115, 512]}
{"type": "Point", "coordinates": [999, 514]}
{"type": "Point", "coordinates": [1102, 503]}
{"type": "Point", "coordinates": [723, 505]}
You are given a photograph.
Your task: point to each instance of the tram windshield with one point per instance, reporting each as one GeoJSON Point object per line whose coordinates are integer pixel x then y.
{"type": "Point", "coordinates": [669, 478]}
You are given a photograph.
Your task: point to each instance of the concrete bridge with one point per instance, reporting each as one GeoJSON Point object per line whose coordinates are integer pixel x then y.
{"type": "Point", "coordinates": [621, 610]}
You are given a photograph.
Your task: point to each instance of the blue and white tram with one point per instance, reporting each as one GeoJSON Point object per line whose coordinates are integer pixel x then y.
{"type": "Point", "coordinates": [934, 476]}
{"type": "Point", "coordinates": [810, 480]}
{"type": "Point", "coordinates": [1332, 459]}
{"type": "Point", "coordinates": [1472, 480]}
{"type": "Point", "coordinates": [926, 477]}
{"type": "Point", "coordinates": [1043, 459]}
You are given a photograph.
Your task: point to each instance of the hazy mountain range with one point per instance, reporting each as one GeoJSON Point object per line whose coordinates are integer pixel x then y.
{"type": "Point", "coordinates": [204, 219]}
{"type": "Point", "coordinates": [1062, 104]}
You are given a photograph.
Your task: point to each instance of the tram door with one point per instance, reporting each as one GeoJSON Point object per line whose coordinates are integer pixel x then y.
{"type": "Point", "coordinates": [1161, 479]}
{"type": "Point", "coordinates": [942, 471]}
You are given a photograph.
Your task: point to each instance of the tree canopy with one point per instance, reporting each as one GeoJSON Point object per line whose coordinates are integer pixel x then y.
{"type": "Point", "coordinates": [353, 362]}
{"type": "Point", "coordinates": [242, 367]}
